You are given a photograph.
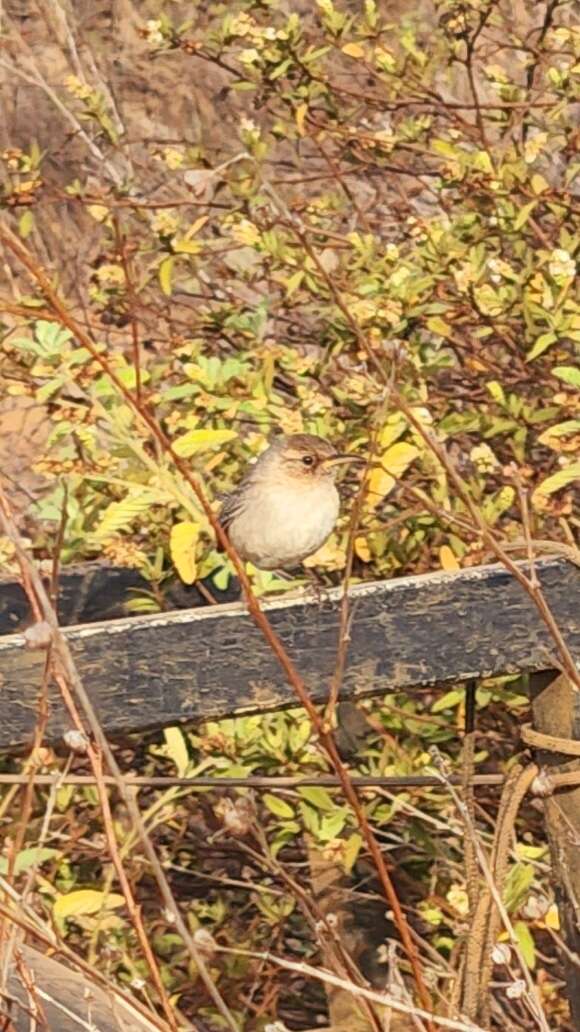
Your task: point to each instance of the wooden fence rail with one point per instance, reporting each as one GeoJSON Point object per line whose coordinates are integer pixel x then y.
{"type": "Point", "coordinates": [153, 671]}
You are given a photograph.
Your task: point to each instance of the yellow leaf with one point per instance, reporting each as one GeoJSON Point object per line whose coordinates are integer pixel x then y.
{"type": "Point", "coordinates": [301, 112]}
{"type": "Point", "coordinates": [98, 212]}
{"type": "Point", "coordinates": [201, 440]}
{"type": "Point", "coordinates": [362, 549]}
{"type": "Point", "coordinates": [182, 545]}
{"type": "Point", "coordinates": [330, 556]}
{"type": "Point", "coordinates": [26, 224]}
{"type": "Point", "coordinates": [391, 466]}
{"type": "Point", "coordinates": [353, 50]}
{"type": "Point", "coordinates": [448, 559]}
{"type": "Point", "coordinates": [393, 429]}
{"type": "Point", "coordinates": [176, 745]}
{"type": "Point", "coordinates": [165, 274]}
{"type": "Point", "coordinates": [85, 901]}
{"type": "Point", "coordinates": [186, 246]}
{"type": "Point", "coordinates": [196, 226]}
{"type": "Point", "coordinates": [552, 918]}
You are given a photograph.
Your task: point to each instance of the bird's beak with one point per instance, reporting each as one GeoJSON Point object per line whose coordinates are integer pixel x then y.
{"type": "Point", "coordinates": [335, 460]}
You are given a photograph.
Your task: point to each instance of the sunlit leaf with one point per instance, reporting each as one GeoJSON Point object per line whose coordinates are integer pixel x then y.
{"type": "Point", "coordinates": [353, 50]}
{"type": "Point", "coordinates": [278, 807]}
{"type": "Point", "coordinates": [166, 274]}
{"type": "Point", "coordinates": [543, 342]}
{"type": "Point", "coordinates": [26, 224]}
{"type": "Point", "coordinates": [300, 115]}
{"type": "Point", "coordinates": [120, 515]}
{"type": "Point", "coordinates": [448, 559]}
{"type": "Point", "coordinates": [558, 480]}
{"type": "Point", "coordinates": [182, 545]}
{"type": "Point", "coordinates": [27, 858]}
{"type": "Point", "coordinates": [526, 943]}
{"type": "Point", "coordinates": [389, 468]}
{"type": "Point", "coordinates": [320, 798]}
{"type": "Point", "coordinates": [569, 374]}
{"type": "Point", "coordinates": [85, 901]}
{"type": "Point", "coordinates": [201, 440]}
{"type": "Point", "coordinates": [176, 747]}
{"type": "Point", "coordinates": [552, 918]}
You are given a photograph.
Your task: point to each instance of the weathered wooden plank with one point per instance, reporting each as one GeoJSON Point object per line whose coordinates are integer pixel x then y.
{"type": "Point", "coordinates": [158, 670]}
{"type": "Point", "coordinates": [556, 711]}
{"type": "Point", "coordinates": [89, 592]}
{"type": "Point", "coordinates": [70, 1001]}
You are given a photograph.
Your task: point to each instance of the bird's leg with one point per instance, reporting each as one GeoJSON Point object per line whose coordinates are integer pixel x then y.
{"type": "Point", "coordinates": [316, 585]}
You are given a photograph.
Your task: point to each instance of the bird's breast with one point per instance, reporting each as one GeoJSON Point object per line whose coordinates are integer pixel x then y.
{"type": "Point", "coordinates": [279, 528]}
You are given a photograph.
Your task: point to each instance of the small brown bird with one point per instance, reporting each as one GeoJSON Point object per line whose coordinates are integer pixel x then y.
{"type": "Point", "coordinates": [287, 503]}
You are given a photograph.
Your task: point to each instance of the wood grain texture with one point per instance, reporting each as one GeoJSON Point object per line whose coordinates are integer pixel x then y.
{"type": "Point", "coordinates": [70, 1001]}
{"type": "Point", "coordinates": [556, 711]}
{"type": "Point", "coordinates": [153, 671]}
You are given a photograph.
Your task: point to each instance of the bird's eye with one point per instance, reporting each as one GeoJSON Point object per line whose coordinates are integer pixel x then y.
{"type": "Point", "coordinates": [308, 460]}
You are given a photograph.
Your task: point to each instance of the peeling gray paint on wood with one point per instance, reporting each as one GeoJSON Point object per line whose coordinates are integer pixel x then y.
{"type": "Point", "coordinates": [153, 671]}
{"type": "Point", "coordinates": [70, 1000]}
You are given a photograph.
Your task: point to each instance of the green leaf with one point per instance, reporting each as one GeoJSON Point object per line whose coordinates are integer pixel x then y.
{"type": "Point", "coordinates": [319, 798]}
{"type": "Point", "coordinates": [517, 885]}
{"type": "Point", "coordinates": [526, 943]}
{"type": "Point", "coordinates": [544, 341]}
{"type": "Point", "coordinates": [448, 701]}
{"type": "Point", "coordinates": [29, 858]}
{"type": "Point", "coordinates": [569, 374]}
{"type": "Point", "coordinates": [439, 326]}
{"type": "Point", "coordinates": [278, 807]}
{"type": "Point", "coordinates": [495, 505]}
{"type": "Point", "coordinates": [351, 851]}
{"type": "Point", "coordinates": [524, 214]}
{"type": "Point", "coordinates": [332, 824]}
{"type": "Point", "coordinates": [120, 515]}
{"type": "Point", "coordinates": [569, 426]}
{"type": "Point", "coordinates": [559, 480]}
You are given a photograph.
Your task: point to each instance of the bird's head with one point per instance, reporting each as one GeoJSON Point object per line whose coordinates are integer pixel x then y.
{"type": "Point", "coordinates": [304, 458]}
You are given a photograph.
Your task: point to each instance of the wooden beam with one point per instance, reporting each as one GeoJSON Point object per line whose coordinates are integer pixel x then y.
{"type": "Point", "coordinates": [154, 671]}
{"type": "Point", "coordinates": [70, 1001]}
{"type": "Point", "coordinates": [89, 592]}
{"type": "Point", "coordinates": [556, 712]}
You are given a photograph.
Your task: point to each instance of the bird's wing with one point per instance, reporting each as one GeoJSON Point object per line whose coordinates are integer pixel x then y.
{"type": "Point", "coordinates": [231, 507]}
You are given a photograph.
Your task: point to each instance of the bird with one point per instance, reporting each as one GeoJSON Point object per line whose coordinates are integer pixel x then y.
{"type": "Point", "coordinates": [287, 504]}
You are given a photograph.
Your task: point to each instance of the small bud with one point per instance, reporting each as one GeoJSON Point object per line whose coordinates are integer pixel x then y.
{"type": "Point", "coordinates": [38, 636]}
{"type": "Point", "coordinates": [205, 943]}
{"type": "Point", "coordinates": [516, 989]}
{"type": "Point", "coordinates": [542, 785]}
{"type": "Point", "coordinates": [237, 816]}
{"type": "Point", "coordinates": [535, 908]}
{"type": "Point", "coordinates": [76, 741]}
{"type": "Point", "coordinates": [501, 953]}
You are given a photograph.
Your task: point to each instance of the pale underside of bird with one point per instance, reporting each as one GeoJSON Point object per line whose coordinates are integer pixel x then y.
{"type": "Point", "coordinates": [287, 504]}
